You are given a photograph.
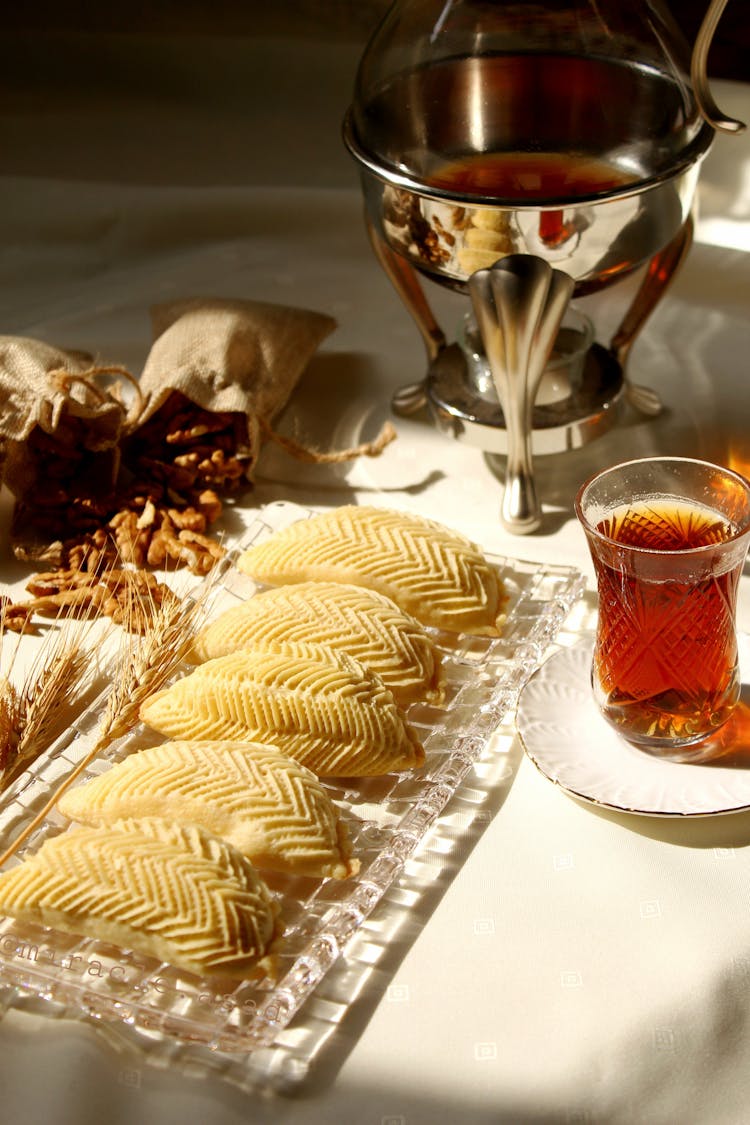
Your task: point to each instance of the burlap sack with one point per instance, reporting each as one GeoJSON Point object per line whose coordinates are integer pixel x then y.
{"type": "Point", "coordinates": [231, 356]}
{"type": "Point", "coordinates": [57, 419]}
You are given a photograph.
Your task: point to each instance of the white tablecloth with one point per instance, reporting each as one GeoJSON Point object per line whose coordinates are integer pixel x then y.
{"type": "Point", "coordinates": [559, 963]}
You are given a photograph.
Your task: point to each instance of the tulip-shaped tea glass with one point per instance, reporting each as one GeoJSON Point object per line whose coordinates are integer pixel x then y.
{"type": "Point", "coordinates": [668, 537]}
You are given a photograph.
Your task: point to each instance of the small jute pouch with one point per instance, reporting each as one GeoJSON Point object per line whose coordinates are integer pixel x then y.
{"type": "Point", "coordinates": [61, 423]}
{"type": "Point", "coordinates": [230, 356]}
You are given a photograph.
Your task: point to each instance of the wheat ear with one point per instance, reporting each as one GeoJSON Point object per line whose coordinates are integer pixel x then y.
{"type": "Point", "coordinates": [47, 699]}
{"type": "Point", "coordinates": [31, 713]}
{"type": "Point", "coordinates": [143, 667]}
{"type": "Point", "coordinates": [11, 723]}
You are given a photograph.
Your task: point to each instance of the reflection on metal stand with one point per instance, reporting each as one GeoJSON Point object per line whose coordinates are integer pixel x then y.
{"type": "Point", "coordinates": [519, 304]}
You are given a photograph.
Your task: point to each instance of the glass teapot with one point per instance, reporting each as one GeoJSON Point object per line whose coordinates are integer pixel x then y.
{"type": "Point", "coordinates": [525, 151]}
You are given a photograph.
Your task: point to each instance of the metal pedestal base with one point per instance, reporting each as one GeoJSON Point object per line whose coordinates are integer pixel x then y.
{"type": "Point", "coordinates": [461, 413]}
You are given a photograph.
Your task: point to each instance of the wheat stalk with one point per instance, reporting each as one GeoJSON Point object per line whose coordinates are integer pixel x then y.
{"type": "Point", "coordinates": [144, 665]}
{"type": "Point", "coordinates": [42, 705]}
{"type": "Point", "coordinates": [11, 722]}
{"type": "Point", "coordinates": [31, 714]}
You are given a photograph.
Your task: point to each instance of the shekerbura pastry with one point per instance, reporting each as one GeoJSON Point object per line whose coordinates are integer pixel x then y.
{"type": "Point", "coordinates": [320, 706]}
{"type": "Point", "coordinates": [273, 810]}
{"type": "Point", "coordinates": [367, 625]}
{"type": "Point", "coordinates": [435, 574]}
{"type": "Point", "coordinates": [173, 892]}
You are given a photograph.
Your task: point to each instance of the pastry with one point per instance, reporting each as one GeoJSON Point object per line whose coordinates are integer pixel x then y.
{"type": "Point", "coordinates": [269, 807]}
{"type": "Point", "coordinates": [173, 892]}
{"type": "Point", "coordinates": [435, 574]}
{"type": "Point", "coordinates": [367, 625]}
{"type": "Point", "coordinates": [318, 705]}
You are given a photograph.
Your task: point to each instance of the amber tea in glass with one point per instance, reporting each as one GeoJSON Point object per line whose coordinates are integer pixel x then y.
{"type": "Point", "coordinates": [668, 538]}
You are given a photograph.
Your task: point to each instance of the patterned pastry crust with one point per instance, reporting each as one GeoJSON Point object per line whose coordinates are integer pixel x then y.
{"type": "Point", "coordinates": [269, 807]}
{"type": "Point", "coordinates": [367, 625]}
{"type": "Point", "coordinates": [321, 707]}
{"type": "Point", "coordinates": [438, 576]}
{"type": "Point", "coordinates": [173, 892]}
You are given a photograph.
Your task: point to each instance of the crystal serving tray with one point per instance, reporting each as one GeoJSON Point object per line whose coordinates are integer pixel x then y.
{"type": "Point", "coordinates": [388, 818]}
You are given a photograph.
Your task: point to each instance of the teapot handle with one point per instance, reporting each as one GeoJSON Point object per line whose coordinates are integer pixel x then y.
{"type": "Point", "coordinates": [698, 75]}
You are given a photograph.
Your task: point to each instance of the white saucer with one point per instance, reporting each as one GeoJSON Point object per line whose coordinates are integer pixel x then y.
{"type": "Point", "coordinates": [567, 739]}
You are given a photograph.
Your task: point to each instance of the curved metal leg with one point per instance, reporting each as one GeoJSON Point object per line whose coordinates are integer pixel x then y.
{"type": "Point", "coordinates": [412, 397]}
{"type": "Point", "coordinates": [661, 270]}
{"type": "Point", "coordinates": [519, 303]}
